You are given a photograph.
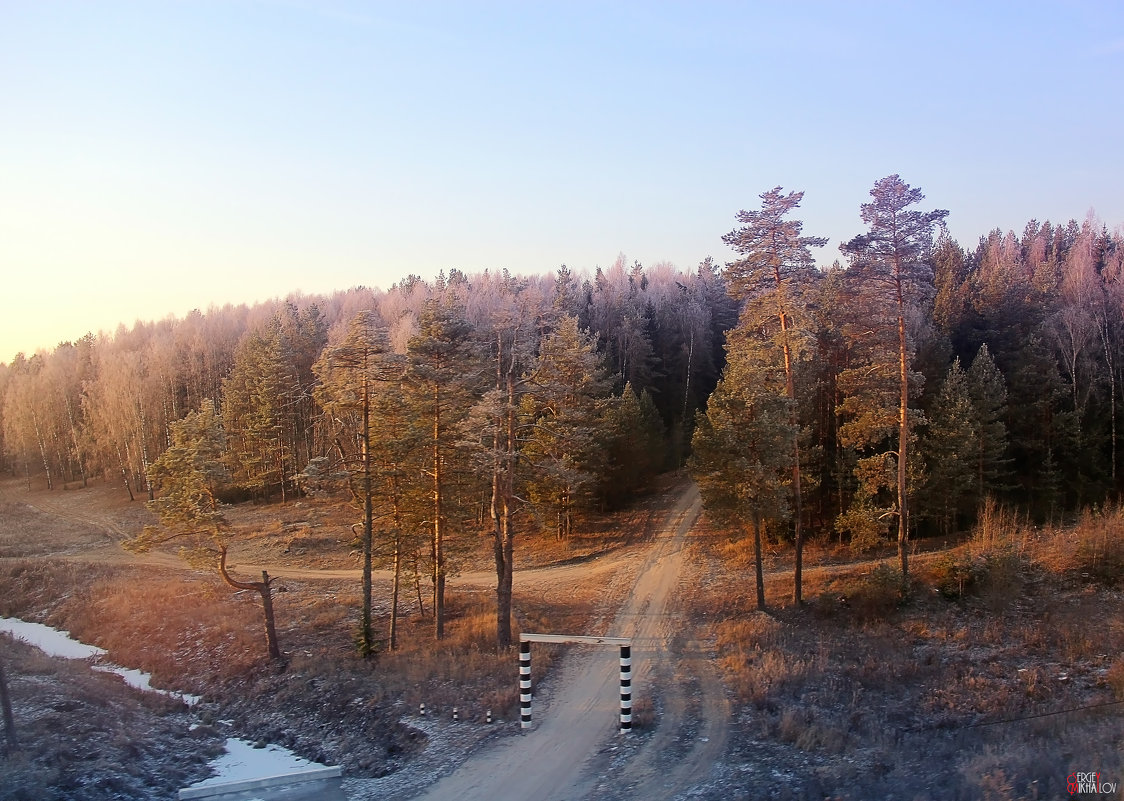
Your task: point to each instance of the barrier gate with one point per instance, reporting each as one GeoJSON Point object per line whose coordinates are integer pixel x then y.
{"type": "Point", "coordinates": [525, 641]}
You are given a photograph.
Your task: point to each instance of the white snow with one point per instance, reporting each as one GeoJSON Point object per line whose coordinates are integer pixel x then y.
{"type": "Point", "coordinates": [243, 761]}
{"type": "Point", "coordinates": [53, 642]}
{"type": "Point", "coordinates": [50, 641]}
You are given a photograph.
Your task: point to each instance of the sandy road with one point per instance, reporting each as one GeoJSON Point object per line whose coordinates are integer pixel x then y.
{"type": "Point", "coordinates": [552, 762]}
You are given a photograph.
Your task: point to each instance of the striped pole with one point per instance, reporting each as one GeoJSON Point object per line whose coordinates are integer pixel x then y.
{"type": "Point", "coordinates": [626, 689]}
{"type": "Point", "coordinates": [524, 684]}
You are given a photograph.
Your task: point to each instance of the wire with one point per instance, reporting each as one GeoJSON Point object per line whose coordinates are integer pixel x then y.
{"type": "Point", "coordinates": [1015, 720]}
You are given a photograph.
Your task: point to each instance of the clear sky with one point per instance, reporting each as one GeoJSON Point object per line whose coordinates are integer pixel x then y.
{"type": "Point", "coordinates": [160, 156]}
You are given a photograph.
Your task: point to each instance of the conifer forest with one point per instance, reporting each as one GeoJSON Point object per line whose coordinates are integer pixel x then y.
{"type": "Point", "coordinates": [883, 397]}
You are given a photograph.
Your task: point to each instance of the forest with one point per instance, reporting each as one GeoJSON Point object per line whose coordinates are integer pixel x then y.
{"type": "Point", "coordinates": [883, 398]}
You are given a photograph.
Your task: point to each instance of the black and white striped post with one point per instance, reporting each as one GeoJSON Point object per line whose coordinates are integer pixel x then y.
{"type": "Point", "coordinates": [625, 644]}
{"type": "Point", "coordinates": [524, 684]}
{"type": "Point", "coordinates": [626, 689]}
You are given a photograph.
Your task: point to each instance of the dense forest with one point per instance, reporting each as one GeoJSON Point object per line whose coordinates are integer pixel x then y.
{"type": "Point", "coordinates": [886, 396]}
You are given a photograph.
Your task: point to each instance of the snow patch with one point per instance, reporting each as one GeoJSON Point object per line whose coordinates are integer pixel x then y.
{"type": "Point", "coordinates": [60, 644]}
{"type": "Point", "coordinates": [243, 761]}
{"type": "Point", "coordinates": [50, 641]}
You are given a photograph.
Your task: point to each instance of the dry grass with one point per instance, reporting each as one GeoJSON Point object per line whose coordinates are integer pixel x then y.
{"type": "Point", "coordinates": [196, 634]}
{"type": "Point", "coordinates": [1093, 549]}
{"type": "Point", "coordinates": [955, 686]}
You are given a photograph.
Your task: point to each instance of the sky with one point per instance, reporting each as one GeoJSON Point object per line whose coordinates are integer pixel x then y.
{"type": "Point", "coordinates": [161, 156]}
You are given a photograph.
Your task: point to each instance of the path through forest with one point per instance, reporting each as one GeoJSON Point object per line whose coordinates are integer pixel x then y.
{"type": "Point", "coordinates": [554, 761]}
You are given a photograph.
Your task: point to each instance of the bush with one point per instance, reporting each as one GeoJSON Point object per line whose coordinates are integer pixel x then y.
{"type": "Point", "coordinates": [955, 575]}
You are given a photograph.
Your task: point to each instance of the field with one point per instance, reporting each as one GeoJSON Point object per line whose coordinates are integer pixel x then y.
{"type": "Point", "coordinates": [998, 675]}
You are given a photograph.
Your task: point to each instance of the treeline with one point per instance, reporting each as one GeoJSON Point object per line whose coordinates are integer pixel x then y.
{"type": "Point", "coordinates": [1007, 355]}
{"type": "Point", "coordinates": [650, 341]}
{"type": "Point", "coordinates": [895, 392]}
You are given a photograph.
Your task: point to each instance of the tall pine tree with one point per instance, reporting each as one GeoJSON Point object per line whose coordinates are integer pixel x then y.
{"type": "Point", "coordinates": [892, 261]}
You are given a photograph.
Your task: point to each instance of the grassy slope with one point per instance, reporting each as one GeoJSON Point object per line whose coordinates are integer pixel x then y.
{"type": "Point", "coordinates": [948, 694]}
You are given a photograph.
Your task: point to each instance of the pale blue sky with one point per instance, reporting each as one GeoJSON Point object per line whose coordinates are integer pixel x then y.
{"type": "Point", "coordinates": [160, 156]}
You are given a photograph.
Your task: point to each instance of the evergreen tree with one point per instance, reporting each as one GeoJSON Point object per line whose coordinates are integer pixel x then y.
{"type": "Point", "coordinates": [261, 397]}
{"type": "Point", "coordinates": [892, 260]}
{"type": "Point", "coordinates": [438, 388]}
{"type": "Point", "coordinates": [565, 415]}
{"type": "Point", "coordinates": [951, 448]}
{"type": "Point", "coordinates": [348, 374]}
{"type": "Point", "coordinates": [772, 279]}
{"type": "Point", "coordinates": [493, 429]}
{"type": "Point", "coordinates": [742, 451]}
{"type": "Point", "coordinates": [633, 444]}
{"type": "Point", "coordinates": [988, 392]}
{"type": "Point", "coordinates": [189, 474]}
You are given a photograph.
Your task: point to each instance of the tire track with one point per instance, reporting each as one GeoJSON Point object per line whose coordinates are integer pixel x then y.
{"type": "Point", "coordinates": [558, 760]}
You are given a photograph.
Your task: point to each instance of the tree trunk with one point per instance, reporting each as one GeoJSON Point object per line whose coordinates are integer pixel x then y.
{"type": "Point", "coordinates": [417, 586]}
{"type": "Point", "coordinates": [397, 583]}
{"type": "Point", "coordinates": [794, 421]}
{"type": "Point", "coordinates": [903, 441]}
{"type": "Point", "coordinates": [438, 527]}
{"type": "Point", "coordinates": [76, 442]}
{"type": "Point", "coordinates": [42, 451]}
{"type": "Point", "coordinates": [266, 591]}
{"type": "Point", "coordinates": [367, 639]}
{"type": "Point", "coordinates": [144, 453]}
{"type": "Point", "coordinates": [393, 635]}
{"type": "Point", "coordinates": [6, 707]}
{"type": "Point", "coordinates": [270, 626]}
{"type": "Point", "coordinates": [503, 501]}
{"type": "Point", "coordinates": [757, 561]}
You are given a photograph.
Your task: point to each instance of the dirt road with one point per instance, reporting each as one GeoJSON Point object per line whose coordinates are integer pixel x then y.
{"type": "Point", "coordinates": [573, 752]}
{"type": "Point", "coordinates": [559, 759]}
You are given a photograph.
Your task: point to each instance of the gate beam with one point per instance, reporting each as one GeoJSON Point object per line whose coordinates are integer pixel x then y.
{"type": "Point", "coordinates": [525, 694]}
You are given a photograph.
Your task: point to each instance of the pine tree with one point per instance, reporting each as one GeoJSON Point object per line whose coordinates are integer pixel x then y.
{"type": "Point", "coordinates": [439, 388]}
{"type": "Point", "coordinates": [742, 448]}
{"type": "Point", "coordinates": [189, 474]}
{"type": "Point", "coordinates": [772, 278]}
{"type": "Point", "coordinates": [493, 429]}
{"type": "Point", "coordinates": [891, 259]}
{"type": "Point", "coordinates": [348, 374]}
